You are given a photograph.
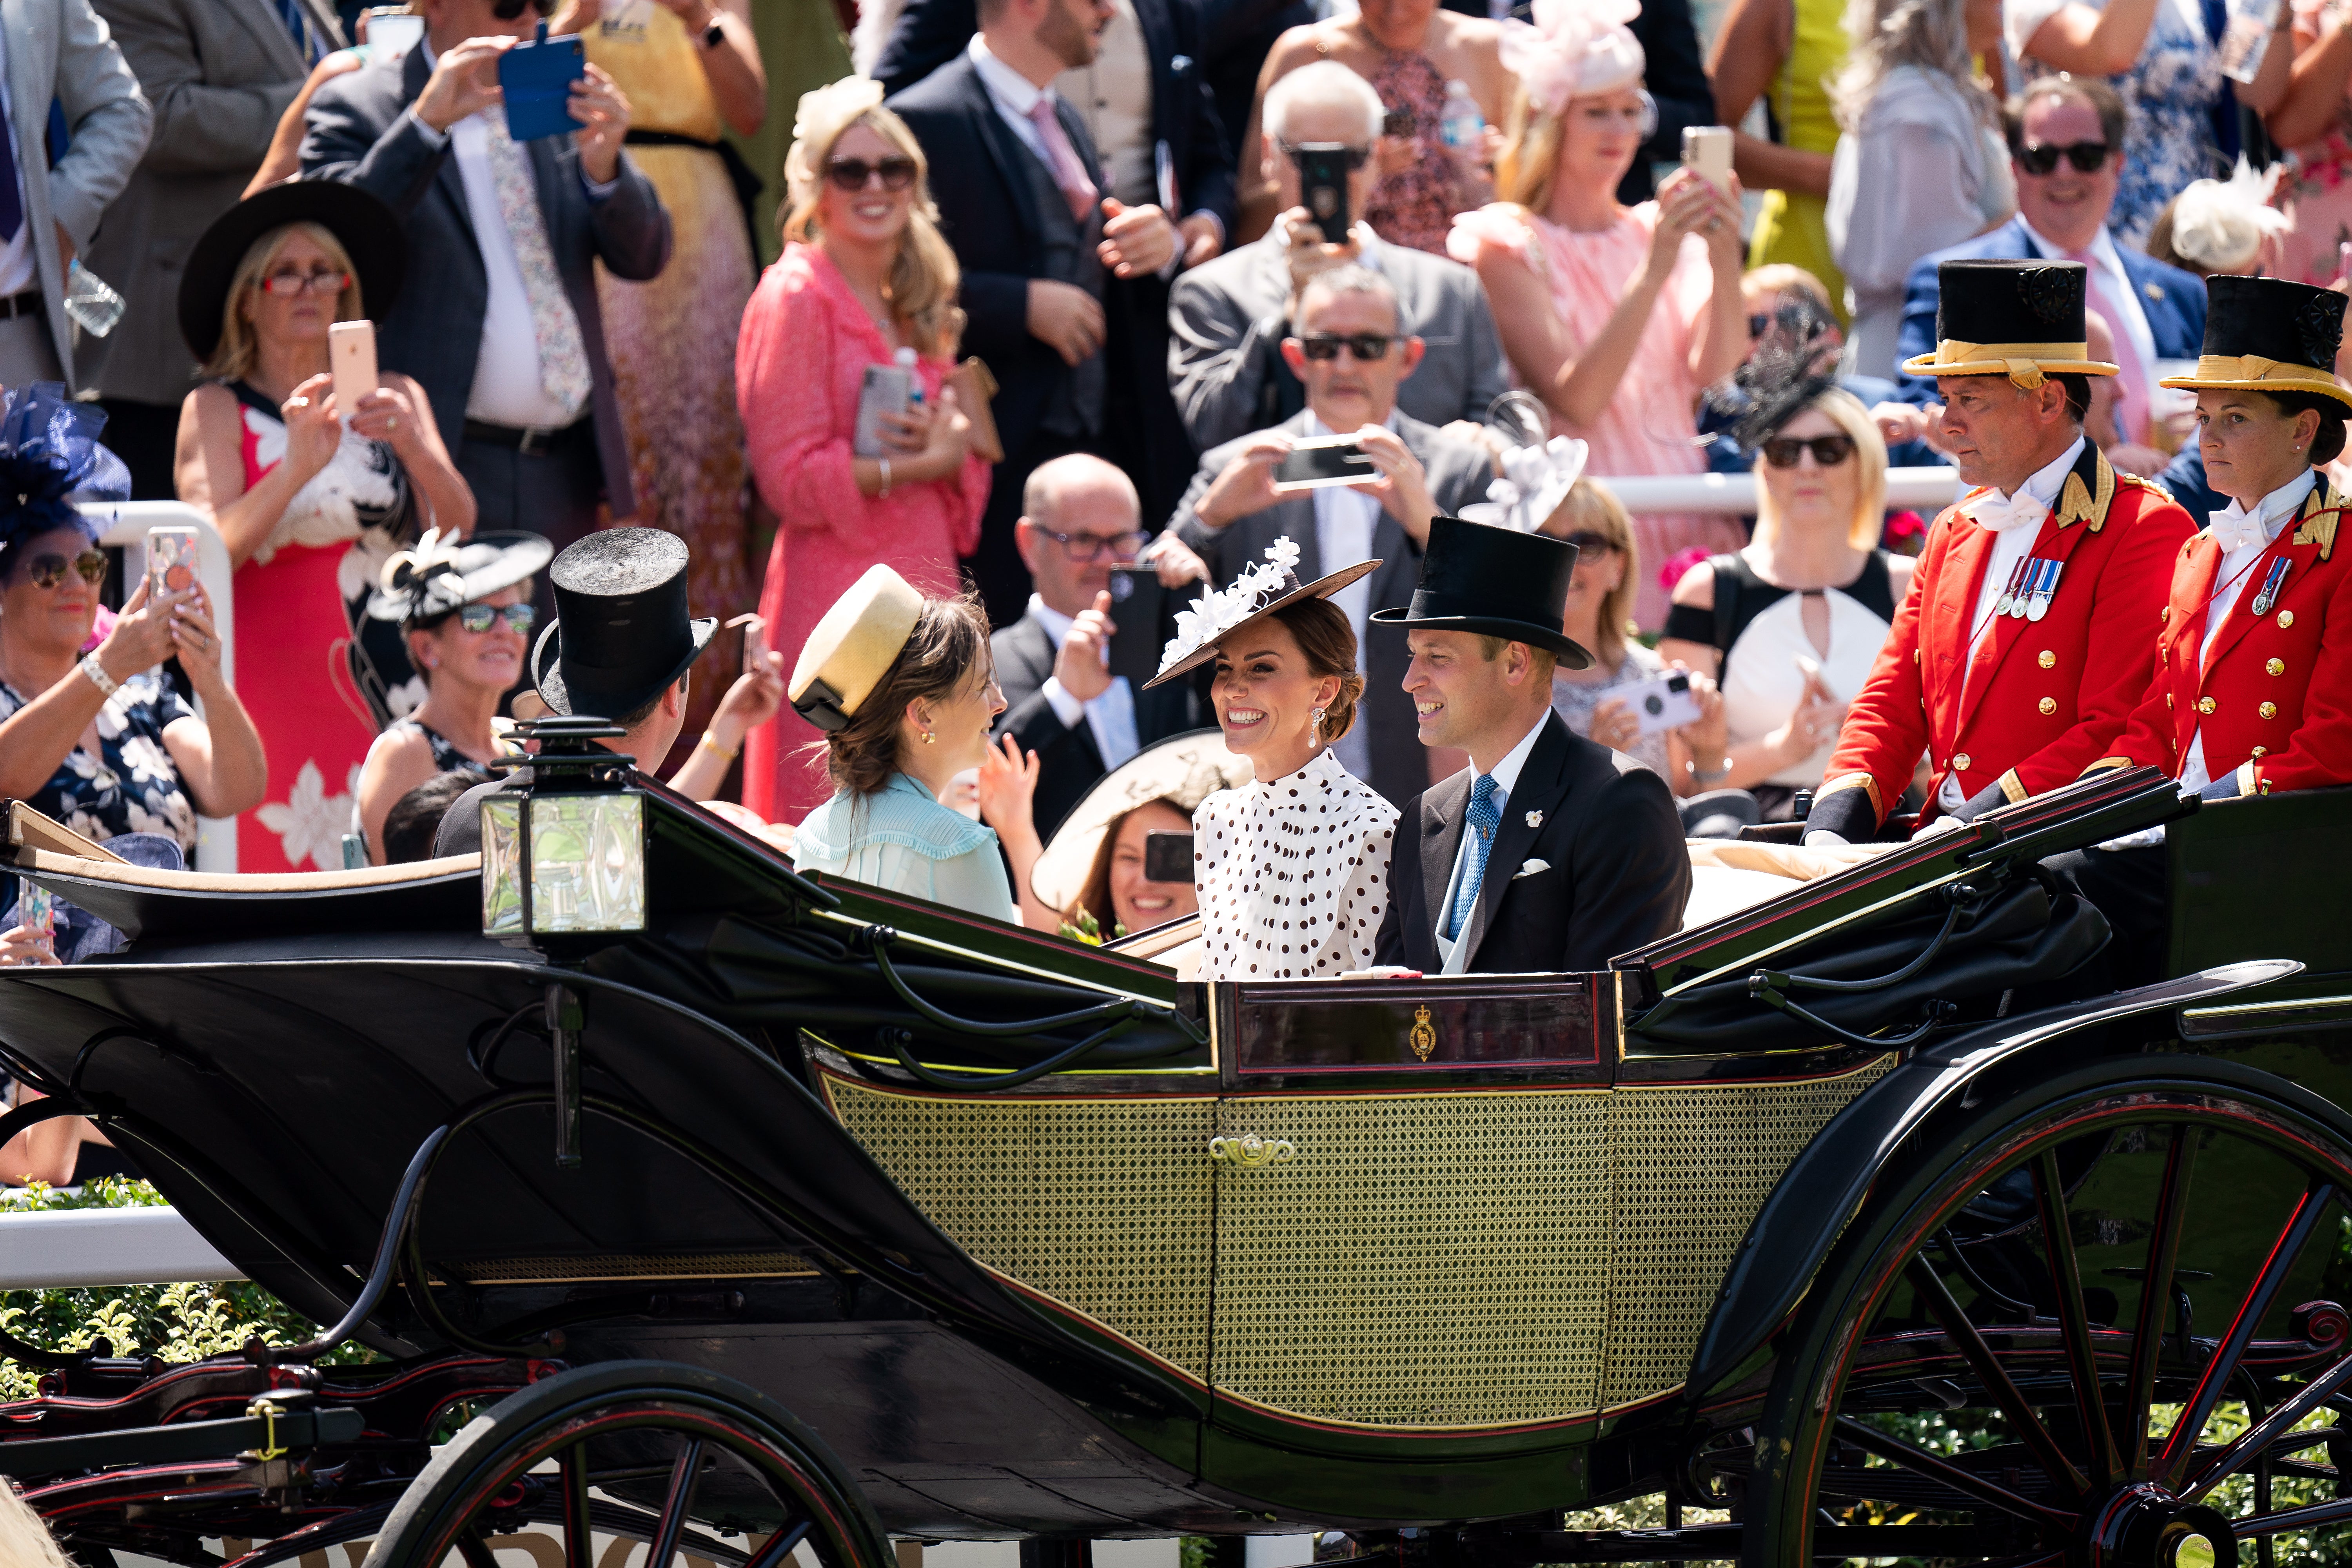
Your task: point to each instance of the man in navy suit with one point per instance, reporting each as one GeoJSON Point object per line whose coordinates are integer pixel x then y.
{"type": "Point", "coordinates": [2155, 311]}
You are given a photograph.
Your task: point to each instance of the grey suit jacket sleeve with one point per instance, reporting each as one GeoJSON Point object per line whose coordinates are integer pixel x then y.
{"type": "Point", "coordinates": [1490, 373]}
{"type": "Point", "coordinates": [1205, 541]}
{"type": "Point", "coordinates": [631, 227]}
{"type": "Point", "coordinates": [108, 117]}
{"type": "Point", "coordinates": [340, 142]}
{"type": "Point", "coordinates": [199, 129]}
{"type": "Point", "coordinates": [1218, 360]}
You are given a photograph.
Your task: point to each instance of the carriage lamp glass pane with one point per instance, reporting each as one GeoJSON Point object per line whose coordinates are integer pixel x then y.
{"type": "Point", "coordinates": [502, 866]}
{"type": "Point", "coordinates": [588, 862]}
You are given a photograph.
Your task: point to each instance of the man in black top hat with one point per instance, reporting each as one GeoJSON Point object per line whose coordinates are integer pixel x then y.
{"type": "Point", "coordinates": [1548, 853]}
{"type": "Point", "coordinates": [622, 648]}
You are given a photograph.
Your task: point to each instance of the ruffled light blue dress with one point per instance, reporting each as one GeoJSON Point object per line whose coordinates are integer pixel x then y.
{"type": "Point", "coordinates": [902, 840]}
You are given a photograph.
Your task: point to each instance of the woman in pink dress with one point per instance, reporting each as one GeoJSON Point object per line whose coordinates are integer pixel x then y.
{"type": "Point", "coordinates": [1616, 317]}
{"type": "Point", "coordinates": [865, 274]}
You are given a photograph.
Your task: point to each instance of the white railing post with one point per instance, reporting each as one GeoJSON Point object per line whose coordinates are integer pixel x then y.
{"type": "Point", "coordinates": [1924, 490]}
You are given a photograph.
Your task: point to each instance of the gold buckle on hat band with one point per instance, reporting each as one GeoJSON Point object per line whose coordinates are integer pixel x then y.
{"type": "Point", "coordinates": [2019, 360]}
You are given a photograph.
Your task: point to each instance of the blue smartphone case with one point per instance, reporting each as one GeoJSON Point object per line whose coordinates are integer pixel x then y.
{"type": "Point", "coordinates": [537, 78]}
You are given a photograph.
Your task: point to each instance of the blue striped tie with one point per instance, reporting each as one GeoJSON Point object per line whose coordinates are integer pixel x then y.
{"type": "Point", "coordinates": [291, 13]}
{"type": "Point", "coordinates": [1483, 819]}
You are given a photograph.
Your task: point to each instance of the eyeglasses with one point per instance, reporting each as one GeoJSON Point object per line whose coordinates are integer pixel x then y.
{"type": "Point", "coordinates": [48, 571]}
{"type": "Point", "coordinates": [1091, 546]}
{"type": "Point", "coordinates": [480, 617]}
{"type": "Point", "coordinates": [1349, 158]}
{"type": "Point", "coordinates": [1367, 347]}
{"type": "Point", "coordinates": [287, 284]}
{"type": "Point", "coordinates": [897, 173]}
{"type": "Point", "coordinates": [1829, 451]}
{"type": "Point", "coordinates": [1587, 541]}
{"type": "Point", "coordinates": [2040, 158]}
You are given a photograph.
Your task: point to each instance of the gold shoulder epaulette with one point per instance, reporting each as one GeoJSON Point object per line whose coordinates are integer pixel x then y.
{"type": "Point", "coordinates": [2138, 482]}
{"type": "Point", "coordinates": [2318, 527]}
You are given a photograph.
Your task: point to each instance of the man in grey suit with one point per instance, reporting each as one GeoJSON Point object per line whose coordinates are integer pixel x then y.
{"type": "Point", "coordinates": [500, 322]}
{"type": "Point", "coordinates": [1351, 360]}
{"type": "Point", "coordinates": [219, 74]}
{"type": "Point", "coordinates": [58, 49]}
{"type": "Point", "coordinates": [1227, 318]}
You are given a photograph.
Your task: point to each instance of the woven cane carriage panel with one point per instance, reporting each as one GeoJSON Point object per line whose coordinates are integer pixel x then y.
{"type": "Point", "coordinates": [1694, 1167]}
{"type": "Point", "coordinates": [1421, 1260]}
{"type": "Point", "coordinates": [1102, 1204]}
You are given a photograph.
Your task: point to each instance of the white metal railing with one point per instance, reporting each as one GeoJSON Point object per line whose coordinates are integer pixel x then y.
{"type": "Point", "coordinates": [125, 525]}
{"type": "Point", "coordinates": [61, 1248]}
{"type": "Point", "coordinates": [1924, 490]}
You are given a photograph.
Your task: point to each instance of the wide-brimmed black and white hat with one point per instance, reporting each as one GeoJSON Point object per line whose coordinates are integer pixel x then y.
{"type": "Point", "coordinates": [1258, 592]}
{"type": "Point", "coordinates": [370, 232]}
{"type": "Point", "coordinates": [1497, 582]}
{"type": "Point", "coordinates": [622, 631]}
{"type": "Point", "coordinates": [442, 572]}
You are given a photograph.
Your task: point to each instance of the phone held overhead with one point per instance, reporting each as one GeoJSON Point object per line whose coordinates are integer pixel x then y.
{"type": "Point", "coordinates": [535, 79]}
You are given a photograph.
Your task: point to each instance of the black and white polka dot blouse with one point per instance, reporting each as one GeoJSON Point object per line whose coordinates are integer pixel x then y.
{"type": "Point", "coordinates": [1292, 875]}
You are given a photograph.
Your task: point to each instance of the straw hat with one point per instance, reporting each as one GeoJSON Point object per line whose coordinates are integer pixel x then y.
{"type": "Point", "coordinates": [852, 647]}
{"type": "Point", "coordinates": [1184, 770]}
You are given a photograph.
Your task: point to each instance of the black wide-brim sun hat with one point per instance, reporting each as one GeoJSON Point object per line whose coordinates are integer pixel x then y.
{"type": "Point", "coordinates": [370, 234]}
{"type": "Point", "coordinates": [621, 593]}
{"type": "Point", "coordinates": [1495, 582]}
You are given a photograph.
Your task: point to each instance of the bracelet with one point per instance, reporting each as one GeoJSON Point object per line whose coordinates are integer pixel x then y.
{"type": "Point", "coordinates": [106, 684]}
{"type": "Point", "coordinates": [1705, 775]}
{"type": "Point", "coordinates": [715, 746]}
{"type": "Point", "coordinates": [884, 494]}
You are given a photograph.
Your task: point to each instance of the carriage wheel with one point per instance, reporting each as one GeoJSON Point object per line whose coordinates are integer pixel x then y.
{"type": "Point", "coordinates": [2097, 1327]}
{"type": "Point", "coordinates": [675, 1456]}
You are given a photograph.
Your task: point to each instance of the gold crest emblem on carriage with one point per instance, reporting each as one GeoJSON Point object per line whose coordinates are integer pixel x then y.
{"type": "Point", "coordinates": [1423, 1039]}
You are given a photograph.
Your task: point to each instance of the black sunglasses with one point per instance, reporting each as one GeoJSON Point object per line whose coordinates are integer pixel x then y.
{"type": "Point", "coordinates": [897, 173]}
{"type": "Point", "coordinates": [2039, 158]}
{"type": "Point", "coordinates": [1829, 451]}
{"type": "Point", "coordinates": [1586, 542]}
{"type": "Point", "coordinates": [48, 571]}
{"type": "Point", "coordinates": [508, 10]}
{"type": "Point", "coordinates": [481, 617]}
{"type": "Point", "coordinates": [1365, 346]}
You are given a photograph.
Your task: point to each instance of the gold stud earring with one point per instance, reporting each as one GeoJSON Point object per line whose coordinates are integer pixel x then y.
{"type": "Point", "coordinates": [928, 737]}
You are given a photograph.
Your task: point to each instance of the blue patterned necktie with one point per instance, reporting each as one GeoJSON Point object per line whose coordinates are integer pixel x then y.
{"type": "Point", "coordinates": [291, 13]}
{"type": "Point", "coordinates": [1483, 819]}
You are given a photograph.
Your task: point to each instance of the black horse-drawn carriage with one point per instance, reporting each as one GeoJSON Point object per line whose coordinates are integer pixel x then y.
{"type": "Point", "coordinates": [690, 1200]}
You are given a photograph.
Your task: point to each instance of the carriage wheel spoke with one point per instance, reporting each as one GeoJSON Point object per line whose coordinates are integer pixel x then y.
{"type": "Point", "coordinates": [779, 1545]}
{"type": "Point", "coordinates": [2073, 1322]}
{"type": "Point", "coordinates": [2337, 1511]}
{"type": "Point", "coordinates": [2182, 1442]}
{"type": "Point", "coordinates": [2003, 1391]}
{"type": "Point", "coordinates": [475, 1551]}
{"type": "Point", "coordinates": [579, 1540]}
{"type": "Point", "coordinates": [2256, 1440]}
{"type": "Point", "coordinates": [2156, 1291]}
{"type": "Point", "coordinates": [1966, 1482]}
{"type": "Point", "coordinates": [682, 1478]}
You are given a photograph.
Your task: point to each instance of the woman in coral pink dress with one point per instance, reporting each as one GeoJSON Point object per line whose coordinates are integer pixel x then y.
{"type": "Point", "coordinates": [1616, 317]}
{"type": "Point", "coordinates": [867, 273]}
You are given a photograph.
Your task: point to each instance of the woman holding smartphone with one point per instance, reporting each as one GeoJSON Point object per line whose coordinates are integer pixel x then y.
{"type": "Point", "coordinates": [311, 497]}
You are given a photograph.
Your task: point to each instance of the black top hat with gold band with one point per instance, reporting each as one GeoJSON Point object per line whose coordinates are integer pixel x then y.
{"type": "Point", "coordinates": [2022, 320]}
{"type": "Point", "coordinates": [2266, 334]}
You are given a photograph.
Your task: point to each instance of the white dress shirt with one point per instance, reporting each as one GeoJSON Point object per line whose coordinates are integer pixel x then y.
{"type": "Point", "coordinates": [1506, 774]}
{"type": "Point", "coordinates": [2276, 511]}
{"type": "Point", "coordinates": [1345, 521]}
{"type": "Point", "coordinates": [2120, 289]}
{"type": "Point", "coordinates": [18, 261]}
{"type": "Point", "coordinates": [2012, 543]}
{"type": "Point", "coordinates": [1110, 717]}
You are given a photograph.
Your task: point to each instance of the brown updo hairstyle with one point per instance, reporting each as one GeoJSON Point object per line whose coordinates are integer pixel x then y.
{"type": "Point", "coordinates": [2328, 444]}
{"type": "Point", "coordinates": [1329, 642]}
{"type": "Point", "coordinates": [948, 647]}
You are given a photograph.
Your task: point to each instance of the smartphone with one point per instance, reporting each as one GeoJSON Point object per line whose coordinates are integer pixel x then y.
{"type": "Point", "coordinates": [39, 908]}
{"type": "Point", "coordinates": [351, 355]}
{"type": "Point", "coordinates": [1140, 608]}
{"type": "Point", "coordinates": [171, 561]}
{"type": "Point", "coordinates": [535, 78]}
{"type": "Point", "coordinates": [1400, 122]}
{"type": "Point", "coordinates": [389, 31]}
{"type": "Point", "coordinates": [1707, 150]}
{"type": "Point", "coordinates": [1665, 703]}
{"type": "Point", "coordinates": [888, 389]}
{"type": "Point", "coordinates": [755, 629]}
{"type": "Point", "coordinates": [1167, 857]}
{"type": "Point", "coordinates": [1323, 460]}
{"type": "Point", "coordinates": [1323, 186]}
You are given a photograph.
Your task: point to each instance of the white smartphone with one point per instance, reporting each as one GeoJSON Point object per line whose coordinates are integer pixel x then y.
{"type": "Point", "coordinates": [1707, 150]}
{"type": "Point", "coordinates": [1665, 703]}
{"type": "Point", "coordinates": [351, 355]}
{"type": "Point", "coordinates": [391, 31]}
{"type": "Point", "coordinates": [171, 561]}
{"type": "Point", "coordinates": [888, 389]}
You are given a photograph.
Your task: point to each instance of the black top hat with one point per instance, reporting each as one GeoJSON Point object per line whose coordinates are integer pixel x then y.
{"type": "Point", "coordinates": [1497, 582]}
{"type": "Point", "coordinates": [370, 234]}
{"type": "Point", "coordinates": [2266, 334]}
{"type": "Point", "coordinates": [2018, 319]}
{"type": "Point", "coordinates": [621, 632]}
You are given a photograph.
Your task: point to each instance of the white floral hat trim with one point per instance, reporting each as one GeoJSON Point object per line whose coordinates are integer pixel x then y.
{"type": "Point", "coordinates": [1220, 610]}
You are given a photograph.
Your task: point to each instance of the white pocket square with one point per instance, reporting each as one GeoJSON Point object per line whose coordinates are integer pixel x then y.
{"type": "Point", "coordinates": [1529, 867]}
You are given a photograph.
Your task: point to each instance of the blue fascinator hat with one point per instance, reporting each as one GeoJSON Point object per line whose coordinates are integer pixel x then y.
{"type": "Point", "coordinates": [50, 461]}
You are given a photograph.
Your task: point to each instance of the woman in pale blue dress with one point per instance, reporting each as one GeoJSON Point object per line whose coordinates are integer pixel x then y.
{"type": "Point", "coordinates": [905, 690]}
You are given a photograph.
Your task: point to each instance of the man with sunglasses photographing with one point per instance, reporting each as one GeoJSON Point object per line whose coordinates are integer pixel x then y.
{"type": "Point", "coordinates": [500, 322]}
{"type": "Point", "coordinates": [1347, 353]}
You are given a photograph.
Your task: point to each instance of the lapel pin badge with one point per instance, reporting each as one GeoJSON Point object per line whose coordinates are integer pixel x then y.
{"type": "Point", "coordinates": [1535, 819]}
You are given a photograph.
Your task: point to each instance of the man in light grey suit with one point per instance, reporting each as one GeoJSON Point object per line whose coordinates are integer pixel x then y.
{"type": "Point", "coordinates": [219, 74]}
{"type": "Point", "coordinates": [58, 49]}
{"type": "Point", "coordinates": [1351, 360]}
{"type": "Point", "coordinates": [1227, 318]}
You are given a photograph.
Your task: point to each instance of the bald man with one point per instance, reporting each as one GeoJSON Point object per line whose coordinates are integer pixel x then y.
{"type": "Point", "coordinates": [1079, 518]}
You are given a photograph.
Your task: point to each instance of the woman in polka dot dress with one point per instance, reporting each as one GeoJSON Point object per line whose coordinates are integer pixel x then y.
{"type": "Point", "coordinates": [1292, 868]}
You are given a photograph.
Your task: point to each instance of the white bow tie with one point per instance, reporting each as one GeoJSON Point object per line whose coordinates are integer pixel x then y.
{"type": "Point", "coordinates": [2235, 527]}
{"type": "Point", "coordinates": [1999, 513]}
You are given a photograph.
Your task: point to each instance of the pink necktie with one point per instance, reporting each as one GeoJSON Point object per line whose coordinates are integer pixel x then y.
{"type": "Point", "coordinates": [1068, 172]}
{"type": "Point", "coordinates": [2131, 387]}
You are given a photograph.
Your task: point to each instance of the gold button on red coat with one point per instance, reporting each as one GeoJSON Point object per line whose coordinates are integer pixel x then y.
{"type": "Point", "coordinates": [2275, 667]}
{"type": "Point", "coordinates": [2268, 710]}
{"type": "Point", "coordinates": [2049, 705]}
{"type": "Point", "coordinates": [2287, 617]}
{"type": "Point", "coordinates": [1960, 763]}
{"type": "Point", "coordinates": [2047, 660]}
{"type": "Point", "coordinates": [2168, 699]}
{"type": "Point", "coordinates": [2260, 751]}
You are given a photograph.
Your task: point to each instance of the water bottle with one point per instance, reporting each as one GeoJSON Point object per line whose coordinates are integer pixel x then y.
{"type": "Point", "coordinates": [92, 302]}
{"type": "Point", "coordinates": [1462, 126]}
{"type": "Point", "coordinates": [905, 360]}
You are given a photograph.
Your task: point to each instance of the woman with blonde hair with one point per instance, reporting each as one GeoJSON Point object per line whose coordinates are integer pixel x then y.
{"type": "Point", "coordinates": [1790, 625]}
{"type": "Point", "coordinates": [1614, 316]}
{"type": "Point", "coordinates": [866, 278]}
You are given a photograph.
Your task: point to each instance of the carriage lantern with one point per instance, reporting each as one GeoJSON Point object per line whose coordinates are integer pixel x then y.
{"type": "Point", "coordinates": [565, 854]}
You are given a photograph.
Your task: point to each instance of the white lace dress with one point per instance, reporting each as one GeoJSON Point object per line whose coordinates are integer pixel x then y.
{"type": "Point", "coordinates": [1292, 875]}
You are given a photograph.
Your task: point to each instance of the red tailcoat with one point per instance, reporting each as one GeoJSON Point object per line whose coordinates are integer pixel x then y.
{"type": "Point", "coordinates": [2046, 699]}
{"type": "Point", "coordinates": [2273, 697]}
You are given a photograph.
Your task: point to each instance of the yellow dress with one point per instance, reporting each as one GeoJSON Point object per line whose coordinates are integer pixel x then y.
{"type": "Point", "coordinates": [671, 340]}
{"type": "Point", "coordinates": [1792, 227]}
